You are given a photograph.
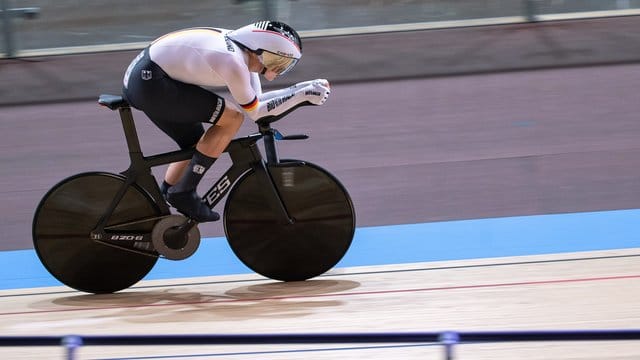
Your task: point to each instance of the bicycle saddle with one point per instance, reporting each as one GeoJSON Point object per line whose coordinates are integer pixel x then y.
{"type": "Point", "coordinates": [113, 102]}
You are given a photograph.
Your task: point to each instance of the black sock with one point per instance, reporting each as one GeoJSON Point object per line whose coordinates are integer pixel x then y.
{"type": "Point", "coordinates": [198, 166]}
{"type": "Point", "coordinates": [164, 187]}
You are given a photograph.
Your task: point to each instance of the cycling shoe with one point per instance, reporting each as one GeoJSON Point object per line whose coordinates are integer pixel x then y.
{"type": "Point", "coordinates": [191, 205]}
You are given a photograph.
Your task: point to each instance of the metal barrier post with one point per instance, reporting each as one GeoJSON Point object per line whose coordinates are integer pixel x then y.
{"type": "Point", "coordinates": [71, 343]}
{"type": "Point", "coordinates": [7, 18]}
{"type": "Point", "coordinates": [6, 29]}
{"type": "Point", "coordinates": [530, 10]}
{"type": "Point", "coordinates": [449, 339]}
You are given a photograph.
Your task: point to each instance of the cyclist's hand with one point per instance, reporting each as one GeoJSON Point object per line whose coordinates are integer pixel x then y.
{"type": "Point", "coordinates": [317, 92]}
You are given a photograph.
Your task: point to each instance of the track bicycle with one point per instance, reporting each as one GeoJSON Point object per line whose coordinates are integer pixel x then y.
{"type": "Point", "coordinates": [101, 232]}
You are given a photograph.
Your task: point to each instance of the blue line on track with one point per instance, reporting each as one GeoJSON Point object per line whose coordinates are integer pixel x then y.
{"type": "Point", "coordinates": [396, 244]}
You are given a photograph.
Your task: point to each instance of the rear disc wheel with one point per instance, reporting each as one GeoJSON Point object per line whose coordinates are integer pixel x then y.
{"type": "Point", "coordinates": [62, 227]}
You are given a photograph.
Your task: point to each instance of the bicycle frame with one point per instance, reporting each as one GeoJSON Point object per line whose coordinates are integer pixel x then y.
{"type": "Point", "coordinates": [245, 156]}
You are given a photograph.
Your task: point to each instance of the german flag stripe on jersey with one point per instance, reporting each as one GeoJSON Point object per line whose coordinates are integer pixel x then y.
{"type": "Point", "coordinates": [251, 105]}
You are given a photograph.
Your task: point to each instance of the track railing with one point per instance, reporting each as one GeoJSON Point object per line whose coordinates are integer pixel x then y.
{"type": "Point", "coordinates": [447, 339]}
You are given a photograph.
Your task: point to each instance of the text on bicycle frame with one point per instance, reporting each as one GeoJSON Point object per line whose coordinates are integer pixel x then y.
{"type": "Point", "coordinates": [217, 191]}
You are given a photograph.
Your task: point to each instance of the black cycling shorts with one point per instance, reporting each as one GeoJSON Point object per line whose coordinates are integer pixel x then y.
{"type": "Point", "coordinates": [177, 108]}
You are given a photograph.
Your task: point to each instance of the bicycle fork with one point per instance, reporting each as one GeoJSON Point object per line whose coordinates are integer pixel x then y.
{"type": "Point", "coordinates": [245, 155]}
{"type": "Point", "coordinates": [277, 203]}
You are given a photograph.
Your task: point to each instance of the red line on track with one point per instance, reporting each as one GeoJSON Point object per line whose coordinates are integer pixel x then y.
{"type": "Point", "coordinates": [396, 291]}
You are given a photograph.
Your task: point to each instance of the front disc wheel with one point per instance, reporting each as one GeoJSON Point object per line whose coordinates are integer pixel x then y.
{"type": "Point", "coordinates": [323, 228]}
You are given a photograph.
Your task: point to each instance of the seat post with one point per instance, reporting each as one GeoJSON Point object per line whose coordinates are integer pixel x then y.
{"type": "Point", "coordinates": [139, 171]}
{"type": "Point", "coordinates": [133, 143]}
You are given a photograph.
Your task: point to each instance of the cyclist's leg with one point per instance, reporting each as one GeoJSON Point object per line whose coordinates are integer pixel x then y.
{"type": "Point", "coordinates": [213, 143]}
{"type": "Point", "coordinates": [186, 137]}
{"type": "Point", "coordinates": [215, 140]}
{"type": "Point", "coordinates": [178, 109]}
{"type": "Point", "coordinates": [217, 137]}
{"type": "Point", "coordinates": [186, 175]}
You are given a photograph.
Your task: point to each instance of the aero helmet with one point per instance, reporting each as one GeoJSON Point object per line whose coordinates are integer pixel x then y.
{"type": "Point", "coordinates": [277, 45]}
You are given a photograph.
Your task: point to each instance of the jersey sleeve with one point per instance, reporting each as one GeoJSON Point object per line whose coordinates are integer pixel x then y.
{"type": "Point", "coordinates": [256, 104]}
{"type": "Point", "coordinates": [256, 84]}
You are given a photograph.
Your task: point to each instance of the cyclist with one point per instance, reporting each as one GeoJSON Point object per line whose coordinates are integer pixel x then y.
{"type": "Point", "coordinates": [172, 80]}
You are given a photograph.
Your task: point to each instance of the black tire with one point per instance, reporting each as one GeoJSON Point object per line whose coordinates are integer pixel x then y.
{"type": "Point", "coordinates": [321, 235]}
{"type": "Point", "coordinates": [63, 223]}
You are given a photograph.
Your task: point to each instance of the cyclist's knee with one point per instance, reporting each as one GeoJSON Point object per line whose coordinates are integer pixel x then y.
{"type": "Point", "coordinates": [230, 117]}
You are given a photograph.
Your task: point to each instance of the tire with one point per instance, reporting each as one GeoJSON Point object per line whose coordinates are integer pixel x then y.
{"type": "Point", "coordinates": [62, 226]}
{"type": "Point", "coordinates": [321, 235]}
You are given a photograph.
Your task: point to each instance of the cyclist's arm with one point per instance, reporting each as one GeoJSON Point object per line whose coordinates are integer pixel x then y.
{"type": "Point", "coordinates": [255, 83]}
{"type": "Point", "coordinates": [262, 106]}
{"type": "Point", "coordinates": [259, 105]}
{"type": "Point", "coordinates": [276, 102]}
{"type": "Point", "coordinates": [275, 93]}
{"type": "Point", "coordinates": [272, 106]}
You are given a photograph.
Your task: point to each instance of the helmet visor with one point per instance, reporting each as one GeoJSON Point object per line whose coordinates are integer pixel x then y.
{"type": "Point", "coordinates": [277, 63]}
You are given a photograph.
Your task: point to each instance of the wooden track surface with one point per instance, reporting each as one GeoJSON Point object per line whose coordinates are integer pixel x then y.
{"type": "Point", "coordinates": [595, 290]}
